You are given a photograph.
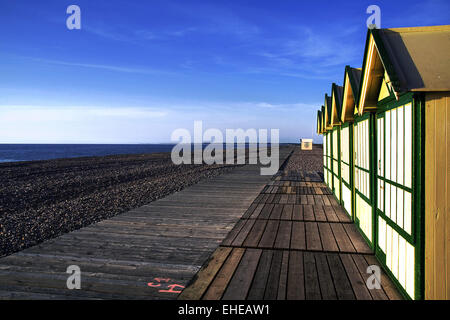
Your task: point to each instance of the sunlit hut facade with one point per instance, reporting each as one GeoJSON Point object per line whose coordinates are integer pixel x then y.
{"type": "Point", "coordinates": [348, 114]}
{"type": "Point", "coordinates": [336, 103]}
{"type": "Point", "coordinates": [401, 121]}
{"type": "Point", "coordinates": [328, 142]}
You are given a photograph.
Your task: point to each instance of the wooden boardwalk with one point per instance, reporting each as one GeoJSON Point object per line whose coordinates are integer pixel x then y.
{"type": "Point", "coordinates": [148, 253]}
{"type": "Point", "coordinates": [294, 242]}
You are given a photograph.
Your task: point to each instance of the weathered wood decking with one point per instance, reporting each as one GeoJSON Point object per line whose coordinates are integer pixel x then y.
{"type": "Point", "coordinates": [294, 242]}
{"type": "Point", "coordinates": [148, 253]}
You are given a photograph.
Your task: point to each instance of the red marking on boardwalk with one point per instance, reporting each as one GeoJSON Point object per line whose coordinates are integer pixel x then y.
{"type": "Point", "coordinates": [172, 288]}
{"type": "Point", "coordinates": [168, 288]}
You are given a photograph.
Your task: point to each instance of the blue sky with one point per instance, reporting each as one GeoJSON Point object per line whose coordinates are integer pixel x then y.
{"type": "Point", "coordinates": [137, 70]}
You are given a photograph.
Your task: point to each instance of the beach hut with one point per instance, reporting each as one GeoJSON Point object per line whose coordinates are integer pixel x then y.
{"type": "Point", "coordinates": [352, 78]}
{"type": "Point", "coordinates": [325, 148]}
{"type": "Point", "coordinates": [398, 107]}
{"type": "Point", "coordinates": [336, 104]}
{"type": "Point", "coordinates": [328, 142]}
{"type": "Point", "coordinates": [404, 105]}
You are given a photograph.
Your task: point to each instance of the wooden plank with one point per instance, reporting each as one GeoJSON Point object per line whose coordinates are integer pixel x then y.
{"type": "Point", "coordinates": [249, 211]}
{"type": "Point", "coordinates": [298, 236]}
{"type": "Point", "coordinates": [239, 284]}
{"type": "Point", "coordinates": [233, 233]}
{"type": "Point", "coordinates": [341, 214]}
{"type": "Point", "coordinates": [255, 234]}
{"type": "Point", "coordinates": [284, 199]}
{"type": "Point", "coordinates": [271, 292]}
{"type": "Point", "coordinates": [325, 199]}
{"type": "Point", "coordinates": [258, 286]}
{"type": "Point", "coordinates": [357, 282]}
{"type": "Point", "coordinates": [276, 212]}
{"type": "Point", "coordinates": [303, 199]}
{"type": "Point", "coordinates": [269, 235]}
{"type": "Point", "coordinates": [270, 198]}
{"type": "Point", "coordinates": [312, 237]}
{"type": "Point", "coordinates": [282, 285]}
{"type": "Point", "coordinates": [297, 212]}
{"type": "Point", "coordinates": [343, 241]}
{"type": "Point", "coordinates": [355, 237]}
{"type": "Point", "coordinates": [327, 237]}
{"type": "Point", "coordinates": [437, 196]}
{"type": "Point", "coordinates": [292, 199]}
{"type": "Point", "coordinates": [265, 212]}
{"type": "Point", "coordinates": [205, 276]}
{"type": "Point", "coordinates": [296, 283]}
{"type": "Point", "coordinates": [257, 211]}
{"type": "Point", "coordinates": [308, 213]}
{"type": "Point", "coordinates": [277, 198]}
{"type": "Point", "coordinates": [312, 288]}
{"type": "Point", "coordinates": [319, 214]}
{"type": "Point", "coordinates": [331, 214]}
{"type": "Point", "coordinates": [283, 239]}
{"type": "Point", "coordinates": [287, 212]}
{"type": "Point", "coordinates": [243, 233]}
{"type": "Point", "coordinates": [341, 283]}
{"type": "Point", "coordinates": [218, 286]}
{"type": "Point", "coordinates": [430, 200]}
{"type": "Point", "coordinates": [325, 279]}
{"type": "Point", "coordinates": [318, 199]}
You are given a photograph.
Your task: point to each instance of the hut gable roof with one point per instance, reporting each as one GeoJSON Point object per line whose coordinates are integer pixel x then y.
{"type": "Point", "coordinates": [328, 108]}
{"type": "Point", "coordinates": [352, 79]}
{"type": "Point", "coordinates": [407, 59]}
{"type": "Point", "coordinates": [319, 122]}
{"type": "Point", "coordinates": [337, 93]}
{"type": "Point", "coordinates": [324, 129]}
{"type": "Point", "coordinates": [419, 56]}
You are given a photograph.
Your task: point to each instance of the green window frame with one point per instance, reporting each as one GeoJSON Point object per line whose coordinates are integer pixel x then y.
{"type": "Point", "coordinates": [336, 165]}
{"type": "Point", "coordinates": [405, 266]}
{"type": "Point", "coordinates": [347, 179]}
{"type": "Point", "coordinates": [363, 203]}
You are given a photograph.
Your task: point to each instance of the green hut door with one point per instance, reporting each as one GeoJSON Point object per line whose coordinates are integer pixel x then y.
{"type": "Point", "coordinates": [336, 163]}
{"type": "Point", "coordinates": [363, 153]}
{"type": "Point", "coordinates": [346, 165]}
{"type": "Point", "coordinates": [396, 241]}
{"type": "Point", "coordinates": [327, 160]}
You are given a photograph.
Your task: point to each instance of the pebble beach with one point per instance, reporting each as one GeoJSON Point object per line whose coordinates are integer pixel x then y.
{"type": "Point", "coordinates": [41, 200]}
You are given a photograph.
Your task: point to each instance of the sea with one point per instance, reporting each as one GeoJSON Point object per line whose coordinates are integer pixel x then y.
{"type": "Point", "coordinates": [30, 152]}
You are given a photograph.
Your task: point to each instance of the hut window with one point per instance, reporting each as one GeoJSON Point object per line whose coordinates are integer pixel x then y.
{"type": "Point", "coordinates": [345, 156]}
{"type": "Point", "coordinates": [398, 150]}
{"type": "Point", "coordinates": [362, 157]}
{"type": "Point", "coordinates": [399, 255]}
{"type": "Point", "coordinates": [408, 145]}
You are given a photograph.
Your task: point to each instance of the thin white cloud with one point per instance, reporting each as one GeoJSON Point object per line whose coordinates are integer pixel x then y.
{"type": "Point", "coordinates": [137, 70]}
{"type": "Point", "coordinates": [28, 113]}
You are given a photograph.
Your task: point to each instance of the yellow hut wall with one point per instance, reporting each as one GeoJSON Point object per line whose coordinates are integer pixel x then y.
{"type": "Point", "coordinates": [437, 195]}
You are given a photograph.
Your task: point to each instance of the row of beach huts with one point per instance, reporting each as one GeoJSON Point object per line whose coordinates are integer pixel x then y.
{"type": "Point", "coordinates": [386, 154]}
